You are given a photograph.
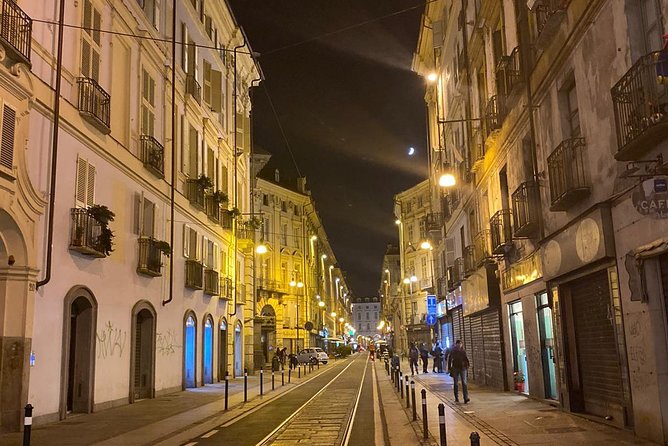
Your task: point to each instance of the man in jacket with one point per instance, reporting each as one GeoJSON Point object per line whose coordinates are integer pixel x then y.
{"type": "Point", "coordinates": [458, 364]}
{"type": "Point", "coordinates": [413, 355]}
{"type": "Point", "coordinates": [424, 355]}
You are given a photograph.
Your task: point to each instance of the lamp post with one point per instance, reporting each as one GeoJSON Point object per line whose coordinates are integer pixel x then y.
{"type": "Point", "coordinates": [334, 323]}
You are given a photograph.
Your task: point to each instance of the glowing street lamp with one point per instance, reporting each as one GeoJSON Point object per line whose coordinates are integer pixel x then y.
{"type": "Point", "coordinates": [432, 77]}
{"type": "Point", "coordinates": [447, 180]}
{"type": "Point", "coordinates": [321, 304]}
{"type": "Point", "coordinates": [425, 245]}
{"type": "Point", "coordinates": [261, 248]}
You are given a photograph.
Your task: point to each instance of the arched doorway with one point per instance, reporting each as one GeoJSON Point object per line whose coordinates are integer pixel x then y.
{"type": "Point", "coordinates": [222, 349]}
{"type": "Point", "coordinates": [142, 357]}
{"type": "Point", "coordinates": [207, 351]}
{"type": "Point", "coordinates": [189, 350]}
{"type": "Point", "coordinates": [268, 334]}
{"type": "Point", "coordinates": [78, 352]}
{"type": "Point", "coordinates": [238, 350]}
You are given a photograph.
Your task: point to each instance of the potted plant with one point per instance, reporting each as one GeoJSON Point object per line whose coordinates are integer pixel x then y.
{"type": "Point", "coordinates": [219, 197]}
{"type": "Point", "coordinates": [518, 378]}
{"type": "Point", "coordinates": [163, 247]}
{"type": "Point", "coordinates": [204, 182]}
{"type": "Point", "coordinates": [103, 216]}
{"type": "Point", "coordinates": [254, 223]}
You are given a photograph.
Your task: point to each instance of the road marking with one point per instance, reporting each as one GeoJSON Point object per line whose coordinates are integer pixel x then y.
{"type": "Point", "coordinates": [294, 414]}
{"type": "Point", "coordinates": [349, 429]}
{"type": "Point", "coordinates": [378, 425]}
{"type": "Point", "coordinates": [192, 443]}
{"type": "Point", "coordinates": [209, 434]}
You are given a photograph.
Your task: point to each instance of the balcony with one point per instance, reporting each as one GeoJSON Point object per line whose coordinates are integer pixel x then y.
{"type": "Point", "coordinates": [482, 243]}
{"type": "Point", "coordinates": [85, 234]}
{"type": "Point", "coordinates": [94, 104]}
{"type": "Point", "coordinates": [193, 88]}
{"type": "Point", "coordinates": [509, 72]}
{"type": "Point", "coordinates": [195, 193]}
{"type": "Point", "coordinates": [526, 209]}
{"type": "Point", "coordinates": [226, 288]}
{"type": "Point", "coordinates": [640, 100]}
{"type": "Point", "coordinates": [241, 293]}
{"type": "Point", "coordinates": [469, 260]}
{"type": "Point", "coordinates": [150, 257]}
{"type": "Point", "coordinates": [194, 274]}
{"type": "Point", "coordinates": [212, 208]}
{"type": "Point", "coordinates": [245, 231]}
{"type": "Point", "coordinates": [495, 113]}
{"type": "Point", "coordinates": [478, 149]}
{"type": "Point", "coordinates": [15, 31]}
{"type": "Point", "coordinates": [425, 283]}
{"type": "Point", "coordinates": [211, 282]}
{"type": "Point", "coordinates": [153, 155]}
{"type": "Point", "coordinates": [271, 285]}
{"type": "Point", "coordinates": [567, 171]}
{"type": "Point", "coordinates": [458, 272]}
{"type": "Point", "coordinates": [549, 14]}
{"type": "Point", "coordinates": [501, 231]}
{"type": "Point", "coordinates": [443, 285]}
{"type": "Point", "coordinates": [226, 219]}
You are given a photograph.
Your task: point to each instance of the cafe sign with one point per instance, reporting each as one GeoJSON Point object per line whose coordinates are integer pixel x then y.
{"type": "Point", "coordinates": [651, 197]}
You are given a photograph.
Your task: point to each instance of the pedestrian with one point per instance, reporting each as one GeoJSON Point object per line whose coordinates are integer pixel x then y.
{"type": "Point", "coordinates": [293, 361]}
{"type": "Point", "coordinates": [424, 355]}
{"type": "Point", "coordinates": [458, 364]}
{"type": "Point", "coordinates": [433, 355]}
{"type": "Point", "coordinates": [413, 355]}
{"type": "Point", "coordinates": [438, 357]}
{"type": "Point", "coordinates": [372, 351]}
{"type": "Point", "coordinates": [280, 352]}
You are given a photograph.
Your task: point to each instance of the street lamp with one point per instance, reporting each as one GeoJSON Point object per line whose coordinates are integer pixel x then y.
{"type": "Point", "coordinates": [426, 245]}
{"type": "Point", "coordinates": [261, 248]}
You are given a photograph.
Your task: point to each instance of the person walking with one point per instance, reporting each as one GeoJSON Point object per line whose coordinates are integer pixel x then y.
{"type": "Point", "coordinates": [424, 355]}
{"type": "Point", "coordinates": [458, 364]}
{"type": "Point", "coordinates": [438, 358]}
{"type": "Point", "coordinates": [413, 354]}
{"type": "Point", "coordinates": [372, 351]}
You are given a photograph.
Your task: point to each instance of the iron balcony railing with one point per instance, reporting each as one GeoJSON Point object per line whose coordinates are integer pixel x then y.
{"type": "Point", "coordinates": [85, 233]}
{"type": "Point", "coordinates": [469, 260]}
{"type": "Point", "coordinates": [501, 231]}
{"type": "Point", "coordinates": [509, 72]}
{"type": "Point", "coordinates": [482, 243]}
{"type": "Point", "coordinates": [245, 231]}
{"type": "Point", "coordinates": [478, 149]}
{"type": "Point", "coordinates": [150, 257]}
{"type": "Point", "coordinates": [425, 283]}
{"type": "Point", "coordinates": [567, 173]}
{"type": "Point", "coordinates": [640, 100]}
{"type": "Point", "coordinates": [226, 219]}
{"type": "Point", "coordinates": [443, 285]}
{"type": "Point", "coordinates": [458, 272]}
{"type": "Point", "coordinates": [212, 208]}
{"type": "Point", "coordinates": [16, 30]}
{"type": "Point", "coordinates": [526, 209]}
{"type": "Point", "coordinates": [195, 193]}
{"type": "Point", "coordinates": [495, 113]}
{"type": "Point", "coordinates": [226, 288]}
{"type": "Point", "coordinates": [194, 274]}
{"type": "Point", "coordinates": [94, 103]}
{"type": "Point", "coordinates": [153, 155]}
{"type": "Point", "coordinates": [433, 222]}
{"type": "Point", "coordinates": [546, 12]}
{"type": "Point", "coordinates": [193, 88]}
{"type": "Point", "coordinates": [211, 282]}
{"type": "Point", "coordinates": [271, 285]}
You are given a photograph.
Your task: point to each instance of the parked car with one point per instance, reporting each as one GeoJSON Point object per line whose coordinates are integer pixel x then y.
{"type": "Point", "coordinates": [312, 355]}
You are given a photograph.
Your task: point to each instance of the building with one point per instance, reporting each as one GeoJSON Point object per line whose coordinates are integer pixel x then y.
{"type": "Point", "coordinates": [552, 257]}
{"type": "Point", "coordinates": [126, 248]}
{"type": "Point", "coordinates": [366, 317]}
{"type": "Point", "coordinates": [391, 297]}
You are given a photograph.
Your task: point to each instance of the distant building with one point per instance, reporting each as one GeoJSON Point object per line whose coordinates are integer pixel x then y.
{"type": "Point", "coordinates": [366, 315]}
{"type": "Point", "coordinates": [390, 296]}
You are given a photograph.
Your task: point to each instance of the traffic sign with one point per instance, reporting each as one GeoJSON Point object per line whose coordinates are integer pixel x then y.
{"type": "Point", "coordinates": [430, 319]}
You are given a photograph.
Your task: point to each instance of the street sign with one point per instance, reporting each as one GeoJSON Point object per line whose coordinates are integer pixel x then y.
{"type": "Point", "coordinates": [430, 319]}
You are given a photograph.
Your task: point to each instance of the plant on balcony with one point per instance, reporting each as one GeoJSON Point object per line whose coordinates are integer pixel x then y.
{"type": "Point", "coordinates": [254, 223]}
{"type": "Point", "coordinates": [234, 212]}
{"type": "Point", "coordinates": [164, 247]}
{"type": "Point", "coordinates": [205, 182]}
{"type": "Point", "coordinates": [219, 197]}
{"type": "Point", "coordinates": [104, 216]}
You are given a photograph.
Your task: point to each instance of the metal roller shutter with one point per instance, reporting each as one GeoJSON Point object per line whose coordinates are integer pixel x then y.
{"type": "Point", "coordinates": [491, 333]}
{"type": "Point", "coordinates": [457, 325]}
{"type": "Point", "coordinates": [663, 263]}
{"type": "Point", "coordinates": [476, 350]}
{"type": "Point", "coordinates": [598, 361]}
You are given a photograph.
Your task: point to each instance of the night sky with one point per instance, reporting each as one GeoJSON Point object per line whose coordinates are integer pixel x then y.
{"type": "Point", "coordinates": [350, 108]}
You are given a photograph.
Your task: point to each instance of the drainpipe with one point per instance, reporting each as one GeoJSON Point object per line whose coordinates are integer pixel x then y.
{"type": "Point", "coordinates": [173, 173]}
{"type": "Point", "coordinates": [252, 195]}
{"type": "Point", "coordinates": [54, 156]}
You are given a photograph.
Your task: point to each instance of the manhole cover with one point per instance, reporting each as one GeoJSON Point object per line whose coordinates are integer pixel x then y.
{"type": "Point", "coordinates": [564, 430]}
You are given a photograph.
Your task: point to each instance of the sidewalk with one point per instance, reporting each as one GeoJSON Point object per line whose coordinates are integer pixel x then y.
{"type": "Point", "coordinates": [508, 418]}
{"type": "Point", "coordinates": [158, 420]}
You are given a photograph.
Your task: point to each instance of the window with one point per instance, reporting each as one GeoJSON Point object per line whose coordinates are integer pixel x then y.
{"type": "Point", "coordinates": [359, 316]}
{"type": "Point", "coordinates": [193, 152]}
{"type": "Point", "coordinates": [90, 42]}
{"type": "Point", "coordinates": [147, 104]}
{"type": "Point", "coordinates": [651, 24]}
{"type": "Point", "coordinates": [411, 267]}
{"type": "Point", "coordinates": [409, 207]}
{"type": "Point", "coordinates": [210, 253]}
{"type": "Point", "coordinates": [266, 229]}
{"type": "Point", "coordinates": [298, 211]}
{"type": "Point", "coordinates": [423, 267]}
{"type": "Point", "coordinates": [190, 246]}
{"type": "Point", "coordinates": [284, 206]}
{"type": "Point", "coordinates": [367, 315]}
{"type": "Point", "coordinates": [284, 234]}
{"type": "Point", "coordinates": [284, 272]}
{"type": "Point", "coordinates": [570, 112]}
{"type": "Point", "coordinates": [8, 121]}
{"type": "Point", "coordinates": [296, 231]}
{"type": "Point", "coordinates": [420, 201]}
{"type": "Point", "coordinates": [144, 221]}
{"type": "Point", "coordinates": [411, 232]}
{"type": "Point", "coordinates": [151, 10]}
{"type": "Point", "coordinates": [85, 184]}
{"type": "Point", "coordinates": [265, 199]}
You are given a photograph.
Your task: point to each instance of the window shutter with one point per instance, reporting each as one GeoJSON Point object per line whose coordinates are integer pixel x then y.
{"type": "Point", "coordinates": [216, 251]}
{"type": "Point", "coordinates": [186, 241]}
{"type": "Point", "coordinates": [216, 91]}
{"type": "Point", "coordinates": [205, 244]}
{"type": "Point", "coordinates": [184, 47]}
{"type": "Point", "coordinates": [85, 58]}
{"type": "Point", "coordinates": [148, 225]}
{"type": "Point", "coordinates": [247, 132]}
{"type": "Point", "coordinates": [207, 81]}
{"type": "Point", "coordinates": [90, 185]}
{"type": "Point", "coordinates": [137, 221]}
{"type": "Point", "coordinates": [240, 131]}
{"type": "Point", "coordinates": [210, 164]}
{"type": "Point", "coordinates": [192, 152]}
{"type": "Point", "coordinates": [194, 247]}
{"type": "Point", "coordinates": [80, 188]}
{"type": "Point", "coordinates": [8, 134]}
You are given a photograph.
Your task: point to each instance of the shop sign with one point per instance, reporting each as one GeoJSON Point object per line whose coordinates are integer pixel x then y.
{"type": "Point", "coordinates": [454, 298]}
{"type": "Point", "coordinates": [522, 273]}
{"type": "Point", "coordinates": [651, 197]}
{"type": "Point", "coordinates": [475, 293]}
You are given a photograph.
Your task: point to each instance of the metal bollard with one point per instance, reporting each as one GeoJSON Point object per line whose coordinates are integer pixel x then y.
{"type": "Point", "coordinates": [227, 388]}
{"type": "Point", "coordinates": [272, 380]}
{"type": "Point", "coordinates": [413, 398]}
{"type": "Point", "coordinates": [391, 376]}
{"type": "Point", "coordinates": [401, 387]}
{"type": "Point", "coordinates": [424, 414]}
{"type": "Point", "coordinates": [408, 400]}
{"type": "Point", "coordinates": [299, 371]}
{"type": "Point", "coordinates": [27, 424]}
{"type": "Point", "coordinates": [396, 379]}
{"type": "Point", "coordinates": [282, 377]}
{"type": "Point", "coordinates": [261, 379]}
{"type": "Point", "coordinates": [245, 385]}
{"type": "Point", "coordinates": [475, 439]}
{"type": "Point", "coordinates": [441, 424]}
{"type": "Point", "coordinates": [289, 375]}
{"type": "Point", "coordinates": [318, 365]}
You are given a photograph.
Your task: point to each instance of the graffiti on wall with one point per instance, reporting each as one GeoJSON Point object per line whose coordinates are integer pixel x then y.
{"type": "Point", "coordinates": [110, 341]}
{"type": "Point", "coordinates": [166, 343]}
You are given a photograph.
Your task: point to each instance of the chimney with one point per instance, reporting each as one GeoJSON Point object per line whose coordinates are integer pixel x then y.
{"type": "Point", "coordinates": [277, 176]}
{"type": "Point", "coordinates": [301, 185]}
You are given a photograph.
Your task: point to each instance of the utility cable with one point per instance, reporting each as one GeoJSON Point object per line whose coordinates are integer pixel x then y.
{"type": "Point", "coordinates": [280, 126]}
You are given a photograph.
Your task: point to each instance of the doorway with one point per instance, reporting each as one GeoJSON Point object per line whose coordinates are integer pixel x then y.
{"type": "Point", "coordinates": [547, 345]}
{"type": "Point", "coordinates": [520, 369]}
{"type": "Point", "coordinates": [268, 334]}
{"type": "Point", "coordinates": [78, 352]}
{"type": "Point", "coordinates": [207, 351]}
{"type": "Point", "coordinates": [143, 354]}
{"type": "Point", "coordinates": [189, 352]}
{"type": "Point", "coordinates": [238, 350]}
{"type": "Point", "coordinates": [222, 350]}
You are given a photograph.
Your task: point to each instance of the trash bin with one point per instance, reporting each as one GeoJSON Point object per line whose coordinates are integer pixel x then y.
{"type": "Point", "coordinates": [275, 364]}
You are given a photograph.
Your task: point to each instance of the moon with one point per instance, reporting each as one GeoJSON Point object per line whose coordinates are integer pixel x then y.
{"type": "Point", "coordinates": [411, 151]}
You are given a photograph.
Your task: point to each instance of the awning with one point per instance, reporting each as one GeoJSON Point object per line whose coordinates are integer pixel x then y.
{"type": "Point", "coordinates": [655, 248]}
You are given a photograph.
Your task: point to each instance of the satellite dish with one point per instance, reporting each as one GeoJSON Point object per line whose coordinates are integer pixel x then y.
{"type": "Point", "coordinates": [308, 326]}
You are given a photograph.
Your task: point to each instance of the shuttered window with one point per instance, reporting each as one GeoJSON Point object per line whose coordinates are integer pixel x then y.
{"type": "Point", "coordinates": [207, 81]}
{"type": "Point", "coordinates": [90, 43]}
{"type": "Point", "coordinates": [148, 104]}
{"type": "Point", "coordinates": [8, 134]}
{"type": "Point", "coordinates": [144, 216]}
{"type": "Point", "coordinates": [193, 149]}
{"type": "Point", "coordinates": [190, 247]}
{"type": "Point", "coordinates": [85, 184]}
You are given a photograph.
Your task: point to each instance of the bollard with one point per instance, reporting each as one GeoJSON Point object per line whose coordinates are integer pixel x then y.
{"type": "Point", "coordinates": [245, 385]}
{"type": "Point", "coordinates": [261, 379]}
{"type": "Point", "coordinates": [227, 387]}
{"type": "Point", "coordinates": [318, 365]}
{"type": "Point", "coordinates": [282, 377]}
{"type": "Point", "coordinates": [289, 375]}
{"type": "Point", "coordinates": [408, 400]}
{"type": "Point", "coordinates": [401, 387]}
{"type": "Point", "coordinates": [299, 371]}
{"type": "Point", "coordinates": [413, 398]}
{"type": "Point", "coordinates": [424, 414]}
{"type": "Point", "coordinates": [391, 376]}
{"type": "Point", "coordinates": [441, 424]}
{"type": "Point", "coordinates": [475, 439]}
{"type": "Point", "coordinates": [396, 379]}
{"type": "Point", "coordinates": [272, 380]}
{"type": "Point", "coordinates": [27, 424]}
